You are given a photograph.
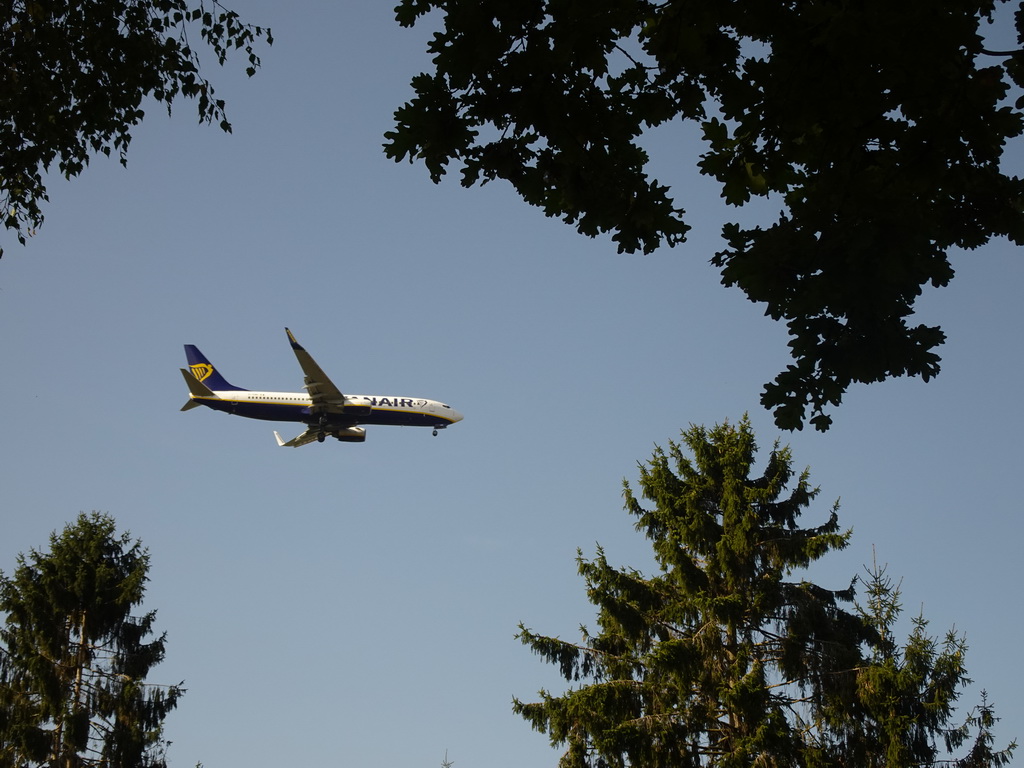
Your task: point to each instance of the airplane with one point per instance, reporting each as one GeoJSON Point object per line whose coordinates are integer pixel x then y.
{"type": "Point", "coordinates": [323, 408]}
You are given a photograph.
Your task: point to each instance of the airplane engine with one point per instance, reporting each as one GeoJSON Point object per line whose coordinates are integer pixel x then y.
{"type": "Point", "coordinates": [350, 434]}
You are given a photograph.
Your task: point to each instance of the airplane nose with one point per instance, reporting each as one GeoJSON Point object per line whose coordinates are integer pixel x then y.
{"type": "Point", "coordinates": [456, 416]}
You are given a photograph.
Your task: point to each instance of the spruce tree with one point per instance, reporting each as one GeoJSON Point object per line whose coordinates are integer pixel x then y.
{"type": "Point", "coordinates": [725, 658]}
{"type": "Point", "coordinates": [73, 660]}
{"type": "Point", "coordinates": [908, 694]}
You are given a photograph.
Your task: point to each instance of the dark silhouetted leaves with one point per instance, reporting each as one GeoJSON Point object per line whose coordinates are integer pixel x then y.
{"type": "Point", "coordinates": [878, 128]}
{"type": "Point", "coordinates": [73, 76]}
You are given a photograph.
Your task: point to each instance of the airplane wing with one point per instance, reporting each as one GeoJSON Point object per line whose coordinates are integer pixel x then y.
{"type": "Point", "coordinates": [327, 398]}
{"type": "Point", "coordinates": [309, 436]}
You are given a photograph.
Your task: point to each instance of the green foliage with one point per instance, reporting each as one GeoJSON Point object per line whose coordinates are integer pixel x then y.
{"type": "Point", "coordinates": [909, 693]}
{"type": "Point", "coordinates": [878, 130]}
{"type": "Point", "coordinates": [73, 661]}
{"type": "Point", "coordinates": [723, 659]}
{"type": "Point", "coordinates": [73, 74]}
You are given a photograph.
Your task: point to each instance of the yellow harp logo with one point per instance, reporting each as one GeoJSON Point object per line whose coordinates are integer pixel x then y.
{"type": "Point", "coordinates": [201, 371]}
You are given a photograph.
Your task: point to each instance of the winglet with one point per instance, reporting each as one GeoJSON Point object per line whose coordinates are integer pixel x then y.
{"type": "Point", "coordinates": [309, 436]}
{"type": "Point", "coordinates": [291, 338]}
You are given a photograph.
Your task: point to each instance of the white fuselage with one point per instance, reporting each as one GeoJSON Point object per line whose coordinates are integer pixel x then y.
{"type": "Point", "coordinates": [358, 409]}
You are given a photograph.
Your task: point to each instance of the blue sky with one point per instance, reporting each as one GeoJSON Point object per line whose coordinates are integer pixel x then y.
{"type": "Point", "coordinates": [357, 604]}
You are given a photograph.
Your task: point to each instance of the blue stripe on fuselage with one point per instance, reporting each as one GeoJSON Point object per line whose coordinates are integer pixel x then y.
{"type": "Point", "coordinates": [265, 411]}
{"type": "Point", "coordinates": [300, 413]}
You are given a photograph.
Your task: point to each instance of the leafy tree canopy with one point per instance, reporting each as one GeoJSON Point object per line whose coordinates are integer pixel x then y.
{"type": "Point", "coordinates": [73, 659]}
{"type": "Point", "coordinates": [725, 660]}
{"type": "Point", "coordinates": [875, 128]}
{"type": "Point", "coordinates": [73, 74]}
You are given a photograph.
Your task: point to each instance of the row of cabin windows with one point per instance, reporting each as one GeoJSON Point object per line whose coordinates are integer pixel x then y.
{"type": "Point", "coordinates": [303, 400]}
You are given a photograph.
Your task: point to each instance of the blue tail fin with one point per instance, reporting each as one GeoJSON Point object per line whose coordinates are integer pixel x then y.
{"type": "Point", "coordinates": [203, 370]}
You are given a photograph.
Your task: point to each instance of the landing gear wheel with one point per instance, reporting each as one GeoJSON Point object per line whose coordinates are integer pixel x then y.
{"type": "Point", "coordinates": [435, 433]}
{"type": "Point", "coordinates": [321, 436]}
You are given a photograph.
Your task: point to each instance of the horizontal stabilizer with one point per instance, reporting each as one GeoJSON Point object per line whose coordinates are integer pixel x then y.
{"type": "Point", "coordinates": [196, 389]}
{"type": "Point", "coordinates": [195, 386]}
